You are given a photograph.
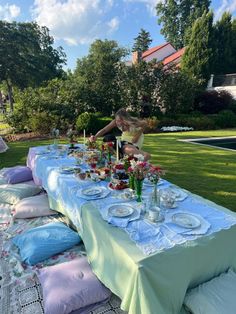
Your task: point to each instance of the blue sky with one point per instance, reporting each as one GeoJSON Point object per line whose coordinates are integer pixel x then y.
{"type": "Point", "coordinates": [76, 23]}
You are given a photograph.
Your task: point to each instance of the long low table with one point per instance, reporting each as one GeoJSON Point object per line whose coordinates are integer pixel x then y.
{"type": "Point", "coordinates": [146, 284]}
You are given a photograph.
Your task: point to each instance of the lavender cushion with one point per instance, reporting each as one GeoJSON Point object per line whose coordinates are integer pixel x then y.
{"type": "Point", "coordinates": [18, 174]}
{"type": "Point", "coordinates": [71, 286]}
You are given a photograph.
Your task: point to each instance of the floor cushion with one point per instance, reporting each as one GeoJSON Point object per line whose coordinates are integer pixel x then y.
{"type": "Point", "coordinates": [40, 243]}
{"type": "Point", "coordinates": [71, 286]}
{"type": "Point", "coordinates": [18, 174]}
{"type": "Point", "coordinates": [3, 180]}
{"type": "Point", "coordinates": [34, 206]}
{"type": "Point", "coordinates": [217, 296]}
{"type": "Point", "coordinates": [13, 193]}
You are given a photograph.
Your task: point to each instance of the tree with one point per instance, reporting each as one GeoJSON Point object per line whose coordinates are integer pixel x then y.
{"type": "Point", "coordinates": [138, 82]}
{"type": "Point", "coordinates": [197, 59]}
{"type": "Point", "coordinates": [224, 45]}
{"type": "Point", "coordinates": [177, 18]}
{"type": "Point", "coordinates": [27, 57]}
{"type": "Point", "coordinates": [96, 74]}
{"type": "Point", "coordinates": [142, 41]}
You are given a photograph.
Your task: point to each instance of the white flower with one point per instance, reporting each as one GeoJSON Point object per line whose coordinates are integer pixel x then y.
{"type": "Point", "coordinates": [140, 157]}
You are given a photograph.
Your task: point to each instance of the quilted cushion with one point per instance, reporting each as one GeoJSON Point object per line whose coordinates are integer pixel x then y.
{"type": "Point", "coordinates": [35, 206]}
{"type": "Point", "coordinates": [18, 174]}
{"type": "Point", "coordinates": [40, 243]}
{"type": "Point", "coordinates": [216, 296]}
{"type": "Point", "coordinates": [13, 193]}
{"type": "Point", "coordinates": [71, 286]}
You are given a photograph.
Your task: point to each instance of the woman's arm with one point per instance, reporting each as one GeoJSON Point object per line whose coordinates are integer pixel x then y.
{"type": "Point", "coordinates": [106, 129]}
{"type": "Point", "coordinates": [137, 136]}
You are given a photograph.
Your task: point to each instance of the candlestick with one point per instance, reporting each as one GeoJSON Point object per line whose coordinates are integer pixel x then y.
{"type": "Point", "coordinates": [117, 148]}
{"type": "Point", "coordinates": [84, 137]}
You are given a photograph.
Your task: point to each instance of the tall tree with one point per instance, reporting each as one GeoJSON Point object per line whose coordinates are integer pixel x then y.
{"type": "Point", "coordinates": [177, 18]}
{"type": "Point", "coordinates": [142, 41]}
{"type": "Point", "coordinates": [96, 74]}
{"type": "Point", "coordinates": [224, 45]}
{"type": "Point", "coordinates": [27, 56]}
{"type": "Point", "coordinates": [198, 55]}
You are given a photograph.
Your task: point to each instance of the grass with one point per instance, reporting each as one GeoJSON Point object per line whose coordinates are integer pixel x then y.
{"type": "Point", "coordinates": [206, 171]}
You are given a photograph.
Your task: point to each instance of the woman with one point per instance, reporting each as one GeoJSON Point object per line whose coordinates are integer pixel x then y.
{"type": "Point", "coordinates": [132, 133]}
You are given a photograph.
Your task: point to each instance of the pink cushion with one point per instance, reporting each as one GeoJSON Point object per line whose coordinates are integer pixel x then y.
{"type": "Point", "coordinates": [17, 174]}
{"type": "Point", "coordinates": [70, 286]}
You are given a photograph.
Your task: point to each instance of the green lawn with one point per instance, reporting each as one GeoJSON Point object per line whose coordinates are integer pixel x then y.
{"type": "Point", "coordinates": [206, 171]}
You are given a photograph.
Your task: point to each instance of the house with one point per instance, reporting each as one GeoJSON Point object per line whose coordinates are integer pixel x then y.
{"type": "Point", "coordinates": [165, 53]}
{"type": "Point", "coordinates": [225, 82]}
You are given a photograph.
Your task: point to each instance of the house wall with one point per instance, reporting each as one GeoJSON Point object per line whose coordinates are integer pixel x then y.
{"type": "Point", "coordinates": [161, 54]}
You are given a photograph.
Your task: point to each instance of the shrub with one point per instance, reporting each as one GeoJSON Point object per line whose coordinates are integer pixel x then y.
{"type": "Point", "coordinates": [226, 119]}
{"type": "Point", "coordinates": [86, 121]}
{"type": "Point", "coordinates": [42, 122]}
{"type": "Point", "coordinates": [211, 102]}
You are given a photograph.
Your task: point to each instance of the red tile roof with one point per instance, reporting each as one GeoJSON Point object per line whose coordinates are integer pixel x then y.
{"type": "Point", "coordinates": [154, 49]}
{"type": "Point", "coordinates": [174, 56]}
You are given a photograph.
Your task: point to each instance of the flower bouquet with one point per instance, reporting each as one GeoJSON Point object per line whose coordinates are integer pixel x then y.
{"type": "Point", "coordinates": [154, 174]}
{"type": "Point", "coordinates": [138, 171]}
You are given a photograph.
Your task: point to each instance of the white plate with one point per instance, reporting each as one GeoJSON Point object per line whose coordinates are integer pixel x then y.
{"type": "Point", "coordinates": [43, 152]}
{"type": "Point", "coordinates": [120, 210]}
{"type": "Point", "coordinates": [92, 191]}
{"type": "Point", "coordinates": [67, 170]}
{"type": "Point", "coordinates": [179, 194]}
{"type": "Point", "coordinates": [149, 183]}
{"type": "Point", "coordinates": [186, 220]}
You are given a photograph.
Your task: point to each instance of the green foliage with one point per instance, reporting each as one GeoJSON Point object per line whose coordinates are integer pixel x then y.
{"type": "Point", "coordinates": [225, 45]}
{"type": "Point", "coordinates": [42, 122]}
{"type": "Point", "coordinates": [177, 18]}
{"type": "Point", "coordinates": [96, 75]}
{"type": "Point", "coordinates": [226, 119]}
{"type": "Point", "coordinates": [177, 92]}
{"type": "Point", "coordinates": [86, 121]}
{"type": "Point", "coordinates": [142, 41]}
{"type": "Point", "coordinates": [197, 122]}
{"type": "Point", "coordinates": [198, 55]}
{"type": "Point", "coordinates": [152, 124]}
{"type": "Point", "coordinates": [211, 102]}
{"type": "Point", "coordinates": [27, 56]}
{"type": "Point", "coordinates": [137, 81]}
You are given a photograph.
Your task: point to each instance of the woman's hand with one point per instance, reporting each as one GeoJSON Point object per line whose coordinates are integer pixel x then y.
{"type": "Point", "coordinates": [92, 138]}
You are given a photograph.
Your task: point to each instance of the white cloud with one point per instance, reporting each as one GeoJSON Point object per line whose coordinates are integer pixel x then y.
{"type": "Point", "coordinates": [9, 12]}
{"type": "Point", "coordinates": [75, 22]}
{"type": "Point", "coordinates": [113, 24]}
{"type": "Point", "coordinates": [226, 5]}
{"type": "Point", "coordinates": [150, 4]}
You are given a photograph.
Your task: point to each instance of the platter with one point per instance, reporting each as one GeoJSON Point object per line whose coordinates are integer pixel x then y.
{"type": "Point", "coordinates": [186, 220]}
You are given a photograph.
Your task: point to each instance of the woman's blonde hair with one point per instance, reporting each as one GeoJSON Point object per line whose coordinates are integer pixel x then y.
{"type": "Point", "coordinates": [124, 115]}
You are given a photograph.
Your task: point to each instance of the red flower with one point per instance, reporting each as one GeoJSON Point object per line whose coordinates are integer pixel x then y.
{"type": "Point", "coordinates": [110, 144]}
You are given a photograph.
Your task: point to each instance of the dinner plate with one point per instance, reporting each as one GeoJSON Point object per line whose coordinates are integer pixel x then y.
{"type": "Point", "coordinates": [67, 170]}
{"type": "Point", "coordinates": [42, 152]}
{"type": "Point", "coordinates": [120, 210]}
{"type": "Point", "coordinates": [186, 220]}
{"type": "Point", "coordinates": [92, 191]}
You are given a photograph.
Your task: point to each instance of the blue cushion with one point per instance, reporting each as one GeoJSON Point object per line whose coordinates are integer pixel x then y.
{"type": "Point", "coordinates": [38, 244]}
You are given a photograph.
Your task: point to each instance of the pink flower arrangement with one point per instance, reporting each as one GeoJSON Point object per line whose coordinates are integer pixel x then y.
{"type": "Point", "coordinates": [139, 169]}
{"type": "Point", "coordinates": [154, 174]}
